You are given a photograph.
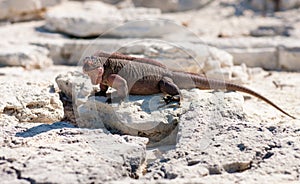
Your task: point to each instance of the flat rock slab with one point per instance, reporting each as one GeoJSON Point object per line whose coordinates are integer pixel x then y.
{"type": "Point", "coordinates": [25, 55]}
{"type": "Point", "coordinates": [30, 102]}
{"type": "Point", "coordinates": [60, 153]}
{"type": "Point", "coordinates": [270, 5]}
{"type": "Point", "coordinates": [82, 19]}
{"type": "Point", "coordinates": [15, 10]}
{"type": "Point", "coordinates": [95, 18]}
{"type": "Point", "coordinates": [171, 5]}
{"type": "Point", "coordinates": [269, 53]}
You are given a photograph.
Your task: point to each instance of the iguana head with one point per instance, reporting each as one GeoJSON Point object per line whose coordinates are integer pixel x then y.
{"type": "Point", "coordinates": [93, 67]}
{"type": "Point", "coordinates": [91, 63]}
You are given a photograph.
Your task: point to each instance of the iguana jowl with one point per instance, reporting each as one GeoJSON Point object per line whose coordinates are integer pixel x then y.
{"type": "Point", "coordinates": [138, 76]}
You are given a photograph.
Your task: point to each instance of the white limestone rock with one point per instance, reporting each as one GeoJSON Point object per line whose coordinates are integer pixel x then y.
{"type": "Point", "coordinates": [172, 5]}
{"type": "Point", "coordinates": [256, 57]}
{"type": "Point", "coordinates": [270, 5]}
{"type": "Point", "coordinates": [18, 10]}
{"type": "Point", "coordinates": [222, 74]}
{"type": "Point", "coordinates": [139, 13]}
{"type": "Point", "coordinates": [151, 27]}
{"type": "Point", "coordinates": [219, 142]}
{"type": "Point", "coordinates": [145, 116]}
{"type": "Point", "coordinates": [38, 152]}
{"type": "Point", "coordinates": [27, 56]}
{"type": "Point", "coordinates": [269, 53]}
{"type": "Point", "coordinates": [105, 1]}
{"type": "Point", "coordinates": [30, 102]}
{"type": "Point", "coordinates": [91, 19]}
{"type": "Point", "coordinates": [289, 58]}
{"type": "Point", "coordinates": [70, 81]}
{"type": "Point", "coordinates": [240, 74]}
{"type": "Point", "coordinates": [83, 19]}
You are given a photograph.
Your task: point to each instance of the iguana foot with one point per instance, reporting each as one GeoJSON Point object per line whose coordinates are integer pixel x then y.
{"type": "Point", "coordinates": [100, 93]}
{"type": "Point", "coordinates": [168, 99]}
{"type": "Point", "coordinates": [114, 100]}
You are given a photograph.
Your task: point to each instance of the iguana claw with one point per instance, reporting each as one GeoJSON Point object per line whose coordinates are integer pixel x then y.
{"type": "Point", "coordinates": [168, 99]}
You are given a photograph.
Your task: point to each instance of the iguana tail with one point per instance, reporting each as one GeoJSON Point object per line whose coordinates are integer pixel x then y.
{"type": "Point", "coordinates": [188, 81]}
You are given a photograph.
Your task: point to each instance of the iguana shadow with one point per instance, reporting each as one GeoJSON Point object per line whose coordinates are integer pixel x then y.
{"type": "Point", "coordinates": [31, 132]}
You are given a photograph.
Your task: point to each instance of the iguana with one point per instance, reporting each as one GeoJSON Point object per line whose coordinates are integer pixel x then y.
{"type": "Point", "coordinates": [139, 76]}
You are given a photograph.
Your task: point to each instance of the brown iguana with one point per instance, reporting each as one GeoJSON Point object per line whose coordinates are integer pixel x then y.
{"type": "Point", "coordinates": [139, 76]}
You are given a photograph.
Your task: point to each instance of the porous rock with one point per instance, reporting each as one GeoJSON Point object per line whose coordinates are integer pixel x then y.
{"type": "Point", "coordinates": [30, 102]}
{"type": "Point", "coordinates": [222, 143]}
{"type": "Point", "coordinates": [38, 152]}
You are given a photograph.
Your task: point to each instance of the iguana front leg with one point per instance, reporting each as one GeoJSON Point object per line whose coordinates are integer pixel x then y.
{"type": "Point", "coordinates": [120, 84]}
{"type": "Point", "coordinates": [103, 90]}
{"type": "Point", "coordinates": [168, 87]}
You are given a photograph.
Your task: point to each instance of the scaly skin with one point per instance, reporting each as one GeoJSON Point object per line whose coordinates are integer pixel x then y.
{"type": "Point", "coordinates": [129, 75]}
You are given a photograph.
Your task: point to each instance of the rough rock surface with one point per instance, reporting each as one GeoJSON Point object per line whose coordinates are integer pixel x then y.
{"type": "Point", "coordinates": [30, 102]}
{"type": "Point", "coordinates": [16, 10]}
{"type": "Point", "coordinates": [30, 95]}
{"type": "Point", "coordinates": [224, 142]}
{"type": "Point", "coordinates": [221, 138]}
{"type": "Point", "coordinates": [62, 151]}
